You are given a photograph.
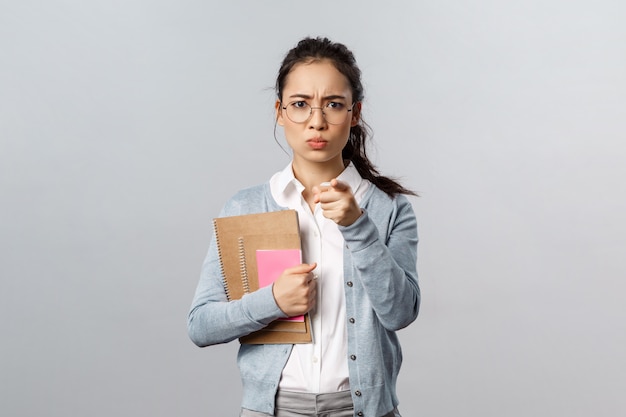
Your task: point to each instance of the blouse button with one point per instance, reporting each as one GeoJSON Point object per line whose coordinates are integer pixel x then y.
{"type": "Point", "coordinates": [360, 414]}
{"type": "Point", "coordinates": [349, 283]}
{"type": "Point", "coordinates": [351, 320]}
{"type": "Point", "coordinates": [353, 357]}
{"type": "Point", "coordinates": [357, 393]}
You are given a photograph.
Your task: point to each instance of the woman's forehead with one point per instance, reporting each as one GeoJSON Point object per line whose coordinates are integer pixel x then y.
{"type": "Point", "coordinates": [319, 76]}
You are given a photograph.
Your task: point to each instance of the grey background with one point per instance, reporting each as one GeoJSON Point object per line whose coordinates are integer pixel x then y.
{"type": "Point", "coordinates": [125, 125]}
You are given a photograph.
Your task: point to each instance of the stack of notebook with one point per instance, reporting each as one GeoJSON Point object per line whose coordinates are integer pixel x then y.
{"type": "Point", "coordinates": [254, 249]}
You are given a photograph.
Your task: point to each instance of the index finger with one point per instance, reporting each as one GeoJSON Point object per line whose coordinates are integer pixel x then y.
{"type": "Point", "coordinates": [339, 185]}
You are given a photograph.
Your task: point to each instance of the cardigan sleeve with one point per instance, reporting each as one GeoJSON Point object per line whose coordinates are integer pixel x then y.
{"type": "Point", "coordinates": [212, 318]}
{"type": "Point", "coordinates": [385, 261]}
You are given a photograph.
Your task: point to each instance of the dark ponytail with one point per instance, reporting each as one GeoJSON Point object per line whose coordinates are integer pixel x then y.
{"type": "Point", "coordinates": [313, 49]}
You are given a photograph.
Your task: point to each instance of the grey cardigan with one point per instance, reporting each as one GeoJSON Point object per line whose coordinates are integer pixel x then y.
{"type": "Point", "coordinates": [382, 296]}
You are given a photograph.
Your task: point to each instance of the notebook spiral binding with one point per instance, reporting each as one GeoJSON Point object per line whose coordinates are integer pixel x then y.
{"type": "Point", "coordinates": [242, 266]}
{"type": "Point", "coordinates": [219, 252]}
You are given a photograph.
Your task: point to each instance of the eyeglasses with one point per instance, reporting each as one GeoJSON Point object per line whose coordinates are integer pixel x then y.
{"type": "Point", "coordinates": [334, 113]}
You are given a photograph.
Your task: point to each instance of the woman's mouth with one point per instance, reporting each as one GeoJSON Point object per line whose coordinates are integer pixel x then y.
{"type": "Point", "coordinates": [317, 143]}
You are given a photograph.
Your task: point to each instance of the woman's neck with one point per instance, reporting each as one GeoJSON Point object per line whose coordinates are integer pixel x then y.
{"type": "Point", "coordinates": [313, 174]}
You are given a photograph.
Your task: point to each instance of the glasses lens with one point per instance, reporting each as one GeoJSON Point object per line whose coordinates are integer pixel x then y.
{"type": "Point", "coordinates": [333, 113]}
{"type": "Point", "coordinates": [298, 111]}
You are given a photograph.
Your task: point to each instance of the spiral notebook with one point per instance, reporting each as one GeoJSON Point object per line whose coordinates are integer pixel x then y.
{"type": "Point", "coordinates": [238, 240]}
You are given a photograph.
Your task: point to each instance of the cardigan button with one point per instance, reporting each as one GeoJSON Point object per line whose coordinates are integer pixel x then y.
{"type": "Point", "coordinates": [353, 357]}
{"type": "Point", "coordinates": [349, 284]}
{"type": "Point", "coordinates": [357, 393]}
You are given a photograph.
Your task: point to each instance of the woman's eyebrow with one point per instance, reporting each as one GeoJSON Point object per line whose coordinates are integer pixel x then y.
{"type": "Point", "coordinates": [334, 97]}
{"type": "Point", "coordinates": [300, 95]}
{"type": "Point", "coordinates": [308, 97]}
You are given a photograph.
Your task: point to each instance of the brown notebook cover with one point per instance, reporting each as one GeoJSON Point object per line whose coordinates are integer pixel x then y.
{"type": "Point", "coordinates": [238, 238]}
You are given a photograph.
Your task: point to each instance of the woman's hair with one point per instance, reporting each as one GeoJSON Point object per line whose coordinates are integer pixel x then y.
{"type": "Point", "coordinates": [316, 49]}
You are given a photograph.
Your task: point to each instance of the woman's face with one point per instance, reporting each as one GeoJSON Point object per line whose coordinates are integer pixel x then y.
{"type": "Point", "coordinates": [318, 84]}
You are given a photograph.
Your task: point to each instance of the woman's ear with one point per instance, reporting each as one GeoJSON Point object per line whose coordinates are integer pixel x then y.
{"type": "Point", "coordinates": [356, 114]}
{"type": "Point", "coordinates": [279, 113]}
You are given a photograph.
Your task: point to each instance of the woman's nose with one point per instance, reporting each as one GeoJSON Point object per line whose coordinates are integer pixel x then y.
{"type": "Point", "coordinates": [317, 120]}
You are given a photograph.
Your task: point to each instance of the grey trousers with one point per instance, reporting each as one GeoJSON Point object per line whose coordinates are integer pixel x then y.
{"type": "Point", "coordinates": [297, 404]}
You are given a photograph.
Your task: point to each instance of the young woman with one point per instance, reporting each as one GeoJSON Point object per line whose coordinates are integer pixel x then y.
{"type": "Point", "coordinates": [359, 244]}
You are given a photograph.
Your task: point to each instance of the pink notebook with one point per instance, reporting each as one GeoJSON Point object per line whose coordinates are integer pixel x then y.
{"type": "Point", "coordinates": [272, 263]}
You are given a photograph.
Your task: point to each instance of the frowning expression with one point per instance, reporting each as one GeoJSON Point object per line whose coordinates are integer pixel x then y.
{"type": "Point", "coordinates": [314, 93]}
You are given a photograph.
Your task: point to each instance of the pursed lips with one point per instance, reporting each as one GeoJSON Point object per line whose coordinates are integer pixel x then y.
{"type": "Point", "coordinates": [317, 143]}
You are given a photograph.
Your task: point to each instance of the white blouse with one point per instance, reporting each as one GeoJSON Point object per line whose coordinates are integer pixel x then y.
{"type": "Point", "coordinates": [320, 367]}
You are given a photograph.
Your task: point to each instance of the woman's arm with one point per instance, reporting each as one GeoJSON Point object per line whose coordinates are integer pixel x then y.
{"type": "Point", "coordinates": [213, 319]}
{"type": "Point", "coordinates": [387, 269]}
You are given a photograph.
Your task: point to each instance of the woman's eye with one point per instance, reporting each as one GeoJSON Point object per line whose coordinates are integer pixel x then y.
{"type": "Point", "coordinates": [299, 104]}
{"type": "Point", "coordinates": [333, 105]}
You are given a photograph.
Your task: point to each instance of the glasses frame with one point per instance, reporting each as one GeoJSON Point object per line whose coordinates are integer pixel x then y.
{"type": "Point", "coordinates": [311, 108]}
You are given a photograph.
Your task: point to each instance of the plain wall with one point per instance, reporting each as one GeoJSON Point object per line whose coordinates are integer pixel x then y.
{"type": "Point", "coordinates": [125, 125]}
